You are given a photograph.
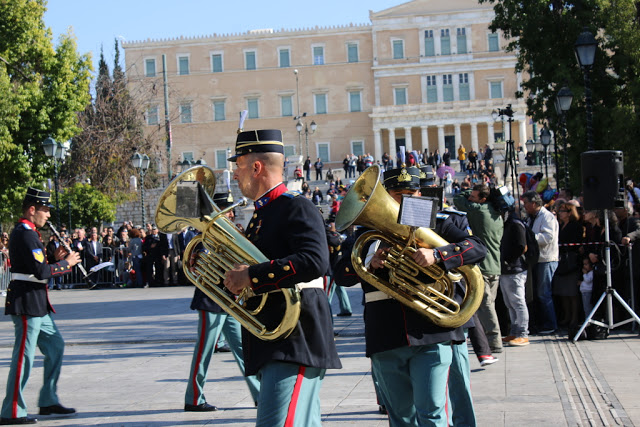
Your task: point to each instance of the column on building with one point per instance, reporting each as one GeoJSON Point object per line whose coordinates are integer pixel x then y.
{"type": "Point", "coordinates": [425, 138]}
{"type": "Point", "coordinates": [392, 143]}
{"type": "Point", "coordinates": [377, 144]}
{"type": "Point", "coordinates": [408, 142]}
{"type": "Point", "coordinates": [522, 127]}
{"type": "Point", "coordinates": [474, 137]}
{"type": "Point", "coordinates": [490, 136]}
{"type": "Point", "coordinates": [458, 138]}
{"type": "Point", "coordinates": [441, 139]}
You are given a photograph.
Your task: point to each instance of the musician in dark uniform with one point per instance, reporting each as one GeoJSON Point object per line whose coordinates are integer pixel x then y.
{"type": "Point", "coordinates": [410, 355]}
{"type": "Point", "coordinates": [28, 304]}
{"type": "Point", "coordinates": [212, 320]}
{"type": "Point", "coordinates": [289, 231]}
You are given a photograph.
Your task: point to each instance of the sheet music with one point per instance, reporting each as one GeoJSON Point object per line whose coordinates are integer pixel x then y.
{"type": "Point", "coordinates": [418, 211]}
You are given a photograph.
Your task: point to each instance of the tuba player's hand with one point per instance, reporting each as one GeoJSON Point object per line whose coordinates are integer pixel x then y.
{"type": "Point", "coordinates": [424, 257]}
{"type": "Point", "coordinates": [237, 278]}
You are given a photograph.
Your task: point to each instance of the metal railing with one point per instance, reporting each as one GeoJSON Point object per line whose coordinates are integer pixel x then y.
{"type": "Point", "coordinates": [5, 273]}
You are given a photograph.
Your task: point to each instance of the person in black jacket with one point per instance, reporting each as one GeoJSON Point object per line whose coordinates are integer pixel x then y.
{"type": "Point", "coordinates": [410, 355]}
{"type": "Point", "coordinates": [513, 278]}
{"type": "Point", "coordinates": [212, 321]}
{"type": "Point", "coordinates": [28, 304]}
{"type": "Point", "coordinates": [288, 229]}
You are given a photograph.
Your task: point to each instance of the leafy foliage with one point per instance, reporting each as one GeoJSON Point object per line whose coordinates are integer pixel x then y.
{"type": "Point", "coordinates": [542, 33]}
{"type": "Point", "coordinates": [41, 90]}
{"type": "Point", "coordinates": [112, 130]}
{"type": "Point", "coordinates": [89, 207]}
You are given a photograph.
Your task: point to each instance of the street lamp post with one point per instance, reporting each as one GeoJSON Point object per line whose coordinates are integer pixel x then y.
{"type": "Point", "coordinates": [563, 103]}
{"type": "Point", "coordinates": [585, 49]}
{"type": "Point", "coordinates": [545, 139]}
{"type": "Point", "coordinates": [141, 164]}
{"type": "Point", "coordinates": [57, 152]}
{"type": "Point", "coordinates": [299, 127]}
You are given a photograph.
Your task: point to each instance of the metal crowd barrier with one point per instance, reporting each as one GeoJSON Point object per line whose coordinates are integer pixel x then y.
{"type": "Point", "coordinates": [5, 274]}
{"type": "Point", "coordinates": [109, 276]}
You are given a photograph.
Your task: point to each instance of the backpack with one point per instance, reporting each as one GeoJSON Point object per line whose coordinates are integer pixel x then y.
{"type": "Point", "coordinates": [532, 252]}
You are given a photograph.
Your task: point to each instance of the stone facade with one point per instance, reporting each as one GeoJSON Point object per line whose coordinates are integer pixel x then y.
{"type": "Point", "coordinates": [423, 75]}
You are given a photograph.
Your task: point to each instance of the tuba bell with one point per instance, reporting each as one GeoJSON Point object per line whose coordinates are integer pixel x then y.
{"type": "Point", "coordinates": [187, 202]}
{"type": "Point", "coordinates": [368, 204]}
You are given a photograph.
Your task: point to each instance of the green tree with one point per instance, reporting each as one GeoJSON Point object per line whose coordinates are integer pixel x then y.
{"type": "Point", "coordinates": [112, 130]}
{"type": "Point", "coordinates": [41, 90]}
{"type": "Point", "coordinates": [542, 34]}
{"type": "Point", "coordinates": [89, 207]}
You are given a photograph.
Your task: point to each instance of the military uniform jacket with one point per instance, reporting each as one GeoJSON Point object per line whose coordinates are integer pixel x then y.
{"type": "Point", "coordinates": [290, 232]}
{"type": "Point", "coordinates": [27, 255]}
{"type": "Point", "coordinates": [390, 324]}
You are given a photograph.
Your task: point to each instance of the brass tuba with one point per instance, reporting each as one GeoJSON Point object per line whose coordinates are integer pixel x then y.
{"type": "Point", "coordinates": [368, 204]}
{"type": "Point", "coordinates": [224, 246]}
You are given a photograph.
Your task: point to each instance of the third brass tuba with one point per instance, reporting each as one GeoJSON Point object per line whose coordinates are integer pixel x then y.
{"type": "Point", "coordinates": [224, 246]}
{"type": "Point", "coordinates": [368, 204]}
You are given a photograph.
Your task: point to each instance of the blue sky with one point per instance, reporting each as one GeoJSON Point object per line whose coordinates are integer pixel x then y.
{"type": "Point", "coordinates": [99, 23]}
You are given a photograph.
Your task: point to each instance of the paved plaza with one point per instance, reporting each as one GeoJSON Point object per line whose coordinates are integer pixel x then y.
{"type": "Point", "coordinates": [128, 352]}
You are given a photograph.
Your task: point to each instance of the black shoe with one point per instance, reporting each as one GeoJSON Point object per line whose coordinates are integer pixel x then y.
{"type": "Point", "coordinates": [343, 314]}
{"type": "Point", "coordinates": [203, 407]}
{"type": "Point", "coordinates": [17, 421]}
{"type": "Point", "coordinates": [222, 349]}
{"type": "Point", "coordinates": [56, 410]}
{"type": "Point", "coordinates": [382, 409]}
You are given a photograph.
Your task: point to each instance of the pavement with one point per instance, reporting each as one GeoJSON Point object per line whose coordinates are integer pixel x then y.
{"type": "Point", "coordinates": [128, 352]}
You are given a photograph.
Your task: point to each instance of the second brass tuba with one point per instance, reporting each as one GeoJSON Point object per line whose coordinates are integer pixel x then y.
{"type": "Point", "coordinates": [224, 246]}
{"type": "Point", "coordinates": [368, 204]}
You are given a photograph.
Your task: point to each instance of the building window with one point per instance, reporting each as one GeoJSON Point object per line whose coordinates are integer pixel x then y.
{"type": "Point", "coordinates": [250, 60]}
{"type": "Point", "coordinates": [462, 40]}
{"type": "Point", "coordinates": [400, 95]}
{"type": "Point", "coordinates": [289, 150]}
{"type": "Point", "coordinates": [323, 151]}
{"type": "Point", "coordinates": [152, 115]}
{"type": "Point", "coordinates": [447, 88]}
{"type": "Point", "coordinates": [150, 67]}
{"type": "Point", "coordinates": [221, 159]}
{"type": "Point", "coordinates": [318, 55]}
{"type": "Point", "coordinates": [355, 98]}
{"type": "Point", "coordinates": [185, 113]}
{"type": "Point", "coordinates": [286, 105]}
{"type": "Point", "coordinates": [463, 87]}
{"type": "Point", "coordinates": [494, 46]}
{"type": "Point", "coordinates": [429, 43]}
{"type": "Point", "coordinates": [183, 65]}
{"type": "Point", "coordinates": [219, 113]}
{"type": "Point", "coordinates": [252, 106]}
{"type": "Point", "coordinates": [187, 155]}
{"type": "Point", "coordinates": [216, 63]}
{"type": "Point", "coordinates": [320, 101]}
{"type": "Point", "coordinates": [445, 42]}
{"type": "Point", "coordinates": [432, 89]}
{"type": "Point", "coordinates": [285, 60]}
{"type": "Point", "coordinates": [398, 49]}
{"type": "Point", "coordinates": [352, 52]}
{"type": "Point", "coordinates": [495, 90]}
{"type": "Point", "coordinates": [357, 148]}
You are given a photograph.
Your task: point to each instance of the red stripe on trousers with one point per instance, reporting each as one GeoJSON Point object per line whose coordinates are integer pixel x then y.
{"type": "Point", "coordinates": [16, 386]}
{"type": "Point", "coordinates": [291, 415]}
{"type": "Point", "coordinates": [203, 334]}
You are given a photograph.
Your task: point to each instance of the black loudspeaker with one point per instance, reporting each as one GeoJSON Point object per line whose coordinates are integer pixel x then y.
{"type": "Point", "coordinates": [602, 179]}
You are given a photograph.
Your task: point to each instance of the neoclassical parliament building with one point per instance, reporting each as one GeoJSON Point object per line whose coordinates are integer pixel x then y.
{"type": "Point", "coordinates": [425, 74]}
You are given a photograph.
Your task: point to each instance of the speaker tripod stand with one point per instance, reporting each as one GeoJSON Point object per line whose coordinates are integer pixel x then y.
{"type": "Point", "coordinates": [609, 293]}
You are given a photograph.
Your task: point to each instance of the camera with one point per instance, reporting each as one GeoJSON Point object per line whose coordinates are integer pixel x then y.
{"type": "Point", "coordinates": [501, 199]}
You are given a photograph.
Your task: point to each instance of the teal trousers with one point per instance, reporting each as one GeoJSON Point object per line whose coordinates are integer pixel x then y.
{"type": "Point", "coordinates": [209, 327]}
{"type": "Point", "coordinates": [413, 382]}
{"type": "Point", "coordinates": [290, 395]}
{"type": "Point", "coordinates": [462, 413]}
{"type": "Point", "coordinates": [29, 333]}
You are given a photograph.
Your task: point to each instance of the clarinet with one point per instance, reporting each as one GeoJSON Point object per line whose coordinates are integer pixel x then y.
{"type": "Point", "coordinates": [67, 248]}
